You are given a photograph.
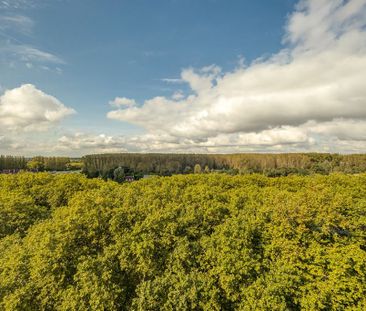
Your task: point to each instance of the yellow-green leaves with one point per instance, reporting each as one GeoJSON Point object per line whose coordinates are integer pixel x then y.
{"type": "Point", "coordinates": [188, 242]}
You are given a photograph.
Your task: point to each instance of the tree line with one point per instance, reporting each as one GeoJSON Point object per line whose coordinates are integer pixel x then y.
{"type": "Point", "coordinates": [116, 166]}
{"type": "Point", "coordinates": [12, 162]}
{"type": "Point", "coordinates": [39, 163]}
{"type": "Point", "coordinates": [187, 242]}
{"type": "Point", "coordinates": [104, 165]}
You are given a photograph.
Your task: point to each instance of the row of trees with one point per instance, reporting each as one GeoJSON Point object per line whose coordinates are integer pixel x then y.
{"type": "Point", "coordinates": [161, 164]}
{"type": "Point", "coordinates": [269, 164]}
{"type": "Point", "coordinates": [39, 163]}
{"type": "Point", "coordinates": [12, 162]}
{"type": "Point", "coordinates": [187, 242]}
{"type": "Point", "coordinates": [104, 165]}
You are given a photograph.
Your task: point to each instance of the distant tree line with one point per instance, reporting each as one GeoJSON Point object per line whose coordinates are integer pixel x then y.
{"type": "Point", "coordinates": [38, 163]}
{"type": "Point", "coordinates": [12, 162]}
{"type": "Point", "coordinates": [104, 165]}
{"type": "Point", "coordinates": [49, 163]}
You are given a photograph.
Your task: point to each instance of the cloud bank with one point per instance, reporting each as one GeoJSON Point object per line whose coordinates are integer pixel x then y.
{"type": "Point", "coordinates": [309, 95]}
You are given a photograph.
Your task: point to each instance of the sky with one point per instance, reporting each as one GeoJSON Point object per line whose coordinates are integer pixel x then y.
{"type": "Point", "coordinates": [209, 76]}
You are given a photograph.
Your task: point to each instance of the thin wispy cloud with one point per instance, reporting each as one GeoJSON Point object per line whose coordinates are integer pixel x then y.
{"type": "Point", "coordinates": [14, 49]}
{"type": "Point", "coordinates": [16, 4]}
{"type": "Point", "coordinates": [172, 80]}
{"type": "Point", "coordinates": [16, 23]}
{"type": "Point", "coordinates": [28, 54]}
{"type": "Point", "coordinates": [21, 4]}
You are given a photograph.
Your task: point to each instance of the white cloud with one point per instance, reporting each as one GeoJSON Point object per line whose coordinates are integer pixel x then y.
{"type": "Point", "coordinates": [319, 24]}
{"type": "Point", "coordinates": [7, 4]}
{"type": "Point", "coordinates": [318, 78]}
{"type": "Point", "coordinates": [123, 102]}
{"type": "Point", "coordinates": [172, 80]}
{"type": "Point", "coordinates": [80, 140]}
{"type": "Point", "coordinates": [14, 50]}
{"type": "Point", "coordinates": [5, 142]}
{"type": "Point", "coordinates": [27, 53]}
{"type": "Point", "coordinates": [21, 4]}
{"type": "Point", "coordinates": [16, 23]}
{"type": "Point", "coordinates": [341, 129]}
{"type": "Point", "coordinates": [178, 95]}
{"type": "Point", "coordinates": [81, 143]}
{"type": "Point", "coordinates": [27, 108]}
{"type": "Point", "coordinates": [335, 136]}
{"type": "Point", "coordinates": [309, 137]}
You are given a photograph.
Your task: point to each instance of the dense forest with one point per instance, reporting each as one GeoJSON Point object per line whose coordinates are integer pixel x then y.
{"type": "Point", "coordinates": [270, 164]}
{"type": "Point", "coordinates": [39, 163]}
{"type": "Point", "coordinates": [187, 242]}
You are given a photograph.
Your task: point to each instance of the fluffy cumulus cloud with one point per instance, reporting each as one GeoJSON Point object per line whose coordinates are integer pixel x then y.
{"type": "Point", "coordinates": [27, 108]}
{"type": "Point", "coordinates": [310, 95]}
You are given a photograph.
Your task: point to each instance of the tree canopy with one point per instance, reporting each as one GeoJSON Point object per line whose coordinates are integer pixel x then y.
{"type": "Point", "coordinates": [187, 242]}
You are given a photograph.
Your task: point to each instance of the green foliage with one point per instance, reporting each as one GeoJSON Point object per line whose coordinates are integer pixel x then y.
{"type": "Point", "coordinates": [119, 174]}
{"type": "Point", "coordinates": [18, 212]}
{"type": "Point", "coordinates": [74, 165]}
{"type": "Point", "coordinates": [53, 163]}
{"type": "Point", "coordinates": [272, 165]}
{"type": "Point", "coordinates": [12, 162]}
{"type": "Point", "coordinates": [197, 169]}
{"type": "Point", "coordinates": [187, 242]}
{"type": "Point", "coordinates": [35, 165]}
{"type": "Point", "coordinates": [39, 163]}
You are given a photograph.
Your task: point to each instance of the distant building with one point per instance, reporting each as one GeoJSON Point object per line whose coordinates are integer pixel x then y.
{"type": "Point", "coordinates": [129, 178]}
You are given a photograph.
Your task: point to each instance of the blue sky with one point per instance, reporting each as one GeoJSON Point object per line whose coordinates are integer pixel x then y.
{"type": "Point", "coordinates": [86, 53]}
{"type": "Point", "coordinates": [127, 47]}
